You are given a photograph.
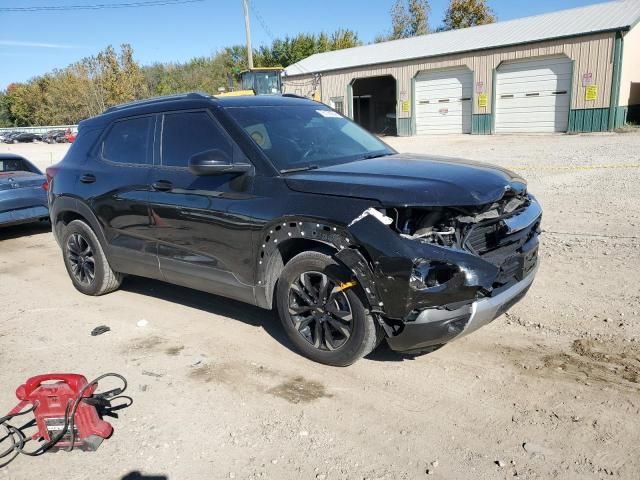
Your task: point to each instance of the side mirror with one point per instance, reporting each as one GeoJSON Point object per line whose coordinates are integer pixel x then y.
{"type": "Point", "coordinates": [216, 162]}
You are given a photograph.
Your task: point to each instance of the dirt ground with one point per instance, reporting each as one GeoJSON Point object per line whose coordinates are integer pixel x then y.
{"type": "Point", "coordinates": [550, 390]}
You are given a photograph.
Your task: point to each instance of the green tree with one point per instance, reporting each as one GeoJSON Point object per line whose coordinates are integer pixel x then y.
{"type": "Point", "coordinates": [467, 13]}
{"type": "Point", "coordinates": [5, 117]}
{"type": "Point", "coordinates": [284, 52]}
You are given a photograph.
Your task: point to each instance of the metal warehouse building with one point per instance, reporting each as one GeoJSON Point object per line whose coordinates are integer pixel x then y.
{"type": "Point", "coordinates": [574, 70]}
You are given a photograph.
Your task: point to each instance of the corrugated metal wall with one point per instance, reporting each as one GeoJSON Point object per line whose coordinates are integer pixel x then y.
{"type": "Point", "coordinates": [592, 54]}
{"type": "Point", "coordinates": [630, 82]}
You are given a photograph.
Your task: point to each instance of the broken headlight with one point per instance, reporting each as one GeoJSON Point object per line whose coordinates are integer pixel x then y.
{"type": "Point", "coordinates": [430, 274]}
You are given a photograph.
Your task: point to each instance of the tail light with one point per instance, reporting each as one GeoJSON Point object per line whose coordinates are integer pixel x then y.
{"type": "Point", "coordinates": [51, 172]}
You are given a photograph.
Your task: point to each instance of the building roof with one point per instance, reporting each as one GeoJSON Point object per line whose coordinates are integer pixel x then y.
{"type": "Point", "coordinates": [616, 15]}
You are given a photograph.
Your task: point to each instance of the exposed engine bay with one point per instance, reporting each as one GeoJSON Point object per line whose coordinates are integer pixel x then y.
{"type": "Point", "coordinates": [447, 226]}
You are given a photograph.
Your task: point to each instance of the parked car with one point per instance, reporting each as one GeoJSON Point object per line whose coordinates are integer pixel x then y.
{"type": "Point", "coordinates": [69, 137]}
{"type": "Point", "coordinates": [54, 136]}
{"type": "Point", "coordinates": [6, 134]}
{"type": "Point", "coordinates": [22, 137]}
{"type": "Point", "coordinates": [6, 137]}
{"type": "Point", "coordinates": [281, 201]}
{"type": "Point", "coordinates": [22, 195]}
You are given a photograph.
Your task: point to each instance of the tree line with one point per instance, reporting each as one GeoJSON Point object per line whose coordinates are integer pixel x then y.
{"type": "Point", "coordinates": [89, 86]}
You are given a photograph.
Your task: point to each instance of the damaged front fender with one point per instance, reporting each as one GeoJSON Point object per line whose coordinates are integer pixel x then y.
{"type": "Point", "coordinates": [398, 270]}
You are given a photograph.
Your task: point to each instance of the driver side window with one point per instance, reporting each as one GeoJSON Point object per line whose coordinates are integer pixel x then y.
{"type": "Point", "coordinates": [185, 134]}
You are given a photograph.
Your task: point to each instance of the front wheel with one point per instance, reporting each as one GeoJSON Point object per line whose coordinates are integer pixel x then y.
{"type": "Point", "coordinates": [321, 310]}
{"type": "Point", "coordinates": [86, 262]}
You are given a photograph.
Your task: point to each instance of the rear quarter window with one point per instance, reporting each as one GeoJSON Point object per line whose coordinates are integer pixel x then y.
{"type": "Point", "coordinates": [128, 141]}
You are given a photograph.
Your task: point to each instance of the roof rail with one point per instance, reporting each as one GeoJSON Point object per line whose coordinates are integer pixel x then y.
{"type": "Point", "coordinates": [293, 95]}
{"type": "Point", "coordinates": [154, 100]}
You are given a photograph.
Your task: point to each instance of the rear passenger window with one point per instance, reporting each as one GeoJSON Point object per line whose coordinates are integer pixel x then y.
{"type": "Point", "coordinates": [128, 141]}
{"type": "Point", "coordinates": [187, 133]}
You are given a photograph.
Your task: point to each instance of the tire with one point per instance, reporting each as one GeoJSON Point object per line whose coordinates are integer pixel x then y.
{"type": "Point", "coordinates": [320, 332]}
{"type": "Point", "coordinates": [86, 262]}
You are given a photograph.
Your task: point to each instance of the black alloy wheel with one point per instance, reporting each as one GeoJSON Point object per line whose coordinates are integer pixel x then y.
{"type": "Point", "coordinates": [320, 311]}
{"type": "Point", "coordinates": [81, 259]}
{"type": "Point", "coordinates": [85, 261]}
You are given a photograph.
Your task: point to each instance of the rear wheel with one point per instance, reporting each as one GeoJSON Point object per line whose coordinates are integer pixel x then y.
{"type": "Point", "coordinates": [322, 312]}
{"type": "Point", "coordinates": [85, 261]}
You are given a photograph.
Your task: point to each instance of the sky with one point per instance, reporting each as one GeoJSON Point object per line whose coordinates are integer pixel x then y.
{"type": "Point", "coordinates": [33, 43]}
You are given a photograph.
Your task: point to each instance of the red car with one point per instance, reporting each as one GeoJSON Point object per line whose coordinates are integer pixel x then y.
{"type": "Point", "coordinates": [69, 136]}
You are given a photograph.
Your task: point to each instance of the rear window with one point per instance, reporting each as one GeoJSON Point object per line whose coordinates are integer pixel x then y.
{"type": "Point", "coordinates": [128, 141]}
{"type": "Point", "coordinates": [14, 165]}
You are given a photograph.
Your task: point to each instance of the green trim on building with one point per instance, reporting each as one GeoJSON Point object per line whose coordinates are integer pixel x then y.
{"type": "Point", "coordinates": [404, 127]}
{"type": "Point", "coordinates": [413, 105]}
{"type": "Point", "coordinates": [573, 72]}
{"type": "Point", "coordinates": [481, 124]}
{"type": "Point", "coordinates": [350, 101]}
{"type": "Point", "coordinates": [493, 100]}
{"type": "Point", "coordinates": [589, 120]}
{"type": "Point", "coordinates": [615, 82]}
{"type": "Point", "coordinates": [621, 116]}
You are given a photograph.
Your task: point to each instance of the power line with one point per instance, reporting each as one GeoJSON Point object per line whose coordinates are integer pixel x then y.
{"type": "Point", "coordinates": [98, 6]}
{"type": "Point", "coordinates": [263, 24]}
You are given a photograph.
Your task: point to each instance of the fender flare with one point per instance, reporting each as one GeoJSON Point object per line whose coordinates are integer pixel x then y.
{"type": "Point", "coordinates": [64, 204]}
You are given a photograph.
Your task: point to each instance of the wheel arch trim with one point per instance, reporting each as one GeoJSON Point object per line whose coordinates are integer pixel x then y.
{"type": "Point", "coordinates": [64, 204]}
{"type": "Point", "coordinates": [276, 236]}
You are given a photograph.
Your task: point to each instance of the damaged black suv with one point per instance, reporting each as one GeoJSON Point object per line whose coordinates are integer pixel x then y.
{"type": "Point", "coordinates": [281, 201]}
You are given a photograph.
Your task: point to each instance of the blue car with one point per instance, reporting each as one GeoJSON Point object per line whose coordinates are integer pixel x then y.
{"type": "Point", "coordinates": [23, 198]}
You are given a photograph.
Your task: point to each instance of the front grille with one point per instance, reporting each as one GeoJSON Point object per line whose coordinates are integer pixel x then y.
{"type": "Point", "coordinates": [492, 238]}
{"type": "Point", "coordinates": [485, 238]}
{"type": "Point", "coordinates": [514, 253]}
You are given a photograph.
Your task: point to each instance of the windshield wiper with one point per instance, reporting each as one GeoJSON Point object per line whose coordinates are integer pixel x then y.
{"type": "Point", "coordinates": [299, 169]}
{"type": "Point", "coordinates": [375, 155]}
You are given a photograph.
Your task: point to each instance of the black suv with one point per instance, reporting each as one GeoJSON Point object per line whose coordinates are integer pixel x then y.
{"type": "Point", "coordinates": [281, 200]}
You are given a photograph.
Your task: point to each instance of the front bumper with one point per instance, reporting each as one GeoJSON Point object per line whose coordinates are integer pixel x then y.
{"type": "Point", "coordinates": [435, 327]}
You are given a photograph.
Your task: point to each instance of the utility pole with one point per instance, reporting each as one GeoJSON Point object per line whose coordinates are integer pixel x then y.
{"type": "Point", "coordinates": [247, 27]}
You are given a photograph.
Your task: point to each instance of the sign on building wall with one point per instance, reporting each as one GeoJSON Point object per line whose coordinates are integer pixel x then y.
{"type": "Point", "coordinates": [479, 87]}
{"type": "Point", "coordinates": [591, 93]}
{"type": "Point", "coordinates": [587, 79]}
{"type": "Point", "coordinates": [483, 100]}
{"type": "Point", "coordinates": [405, 106]}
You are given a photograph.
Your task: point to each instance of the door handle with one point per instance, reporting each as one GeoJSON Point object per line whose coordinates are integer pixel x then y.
{"type": "Point", "coordinates": [162, 186]}
{"type": "Point", "coordinates": [88, 178]}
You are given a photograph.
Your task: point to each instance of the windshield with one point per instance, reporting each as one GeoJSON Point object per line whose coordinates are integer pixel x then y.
{"type": "Point", "coordinates": [312, 136]}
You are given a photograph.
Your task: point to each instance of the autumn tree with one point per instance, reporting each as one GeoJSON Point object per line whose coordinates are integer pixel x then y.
{"type": "Point", "coordinates": [89, 86]}
{"type": "Point", "coordinates": [467, 13]}
{"type": "Point", "coordinates": [409, 18]}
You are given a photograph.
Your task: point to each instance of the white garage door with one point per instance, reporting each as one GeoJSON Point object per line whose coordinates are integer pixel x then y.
{"type": "Point", "coordinates": [444, 101]}
{"type": "Point", "coordinates": [533, 96]}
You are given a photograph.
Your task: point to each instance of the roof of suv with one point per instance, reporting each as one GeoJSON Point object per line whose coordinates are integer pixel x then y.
{"type": "Point", "coordinates": [189, 101]}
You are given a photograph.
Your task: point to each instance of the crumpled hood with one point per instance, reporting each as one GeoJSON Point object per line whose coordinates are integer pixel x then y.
{"type": "Point", "coordinates": [411, 180]}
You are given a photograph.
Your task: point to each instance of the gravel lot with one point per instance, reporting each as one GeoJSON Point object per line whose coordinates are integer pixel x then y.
{"type": "Point", "coordinates": [550, 390]}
